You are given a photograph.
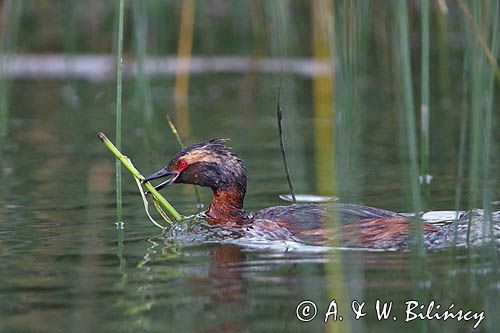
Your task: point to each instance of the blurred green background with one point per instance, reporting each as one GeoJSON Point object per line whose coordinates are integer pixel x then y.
{"type": "Point", "coordinates": [357, 81]}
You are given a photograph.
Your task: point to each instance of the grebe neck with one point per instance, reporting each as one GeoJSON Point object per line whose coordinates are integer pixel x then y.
{"type": "Point", "coordinates": [226, 206]}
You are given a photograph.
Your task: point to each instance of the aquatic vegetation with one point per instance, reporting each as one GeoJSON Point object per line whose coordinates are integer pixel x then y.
{"type": "Point", "coordinates": [122, 159]}
{"type": "Point", "coordinates": [118, 125]}
{"type": "Point", "coordinates": [380, 97]}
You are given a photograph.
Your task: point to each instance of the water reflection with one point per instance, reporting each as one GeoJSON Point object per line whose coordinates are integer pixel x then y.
{"type": "Point", "coordinates": [226, 288]}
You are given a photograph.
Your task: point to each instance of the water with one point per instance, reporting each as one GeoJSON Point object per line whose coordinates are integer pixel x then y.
{"type": "Point", "coordinates": [65, 267]}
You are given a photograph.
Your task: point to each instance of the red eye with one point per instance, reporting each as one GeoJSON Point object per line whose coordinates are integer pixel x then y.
{"type": "Point", "coordinates": [182, 164]}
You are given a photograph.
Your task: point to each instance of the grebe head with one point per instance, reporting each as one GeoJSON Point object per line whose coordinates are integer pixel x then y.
{"type": "Point", "coordinates": [209, 163]}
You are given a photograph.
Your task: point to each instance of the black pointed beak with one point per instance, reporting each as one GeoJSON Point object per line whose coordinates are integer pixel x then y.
{"type": "Point", "coordinates": [160, 174]}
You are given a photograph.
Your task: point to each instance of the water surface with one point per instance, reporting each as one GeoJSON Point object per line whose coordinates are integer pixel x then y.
{"type": "Point", "coordinates": [64, 267]}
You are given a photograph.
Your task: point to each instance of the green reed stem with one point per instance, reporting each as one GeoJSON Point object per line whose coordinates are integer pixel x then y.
{"type": "Point", "coordinates": [122, 159]}
{"type": "Point", "coordinates": [479, 36]}
{"type": "Point", "coordinates": [141, 36]}
{"type": "Point", "coordinates": [119, 251]}
{"type": "Point", "coordinates": [487, 129]}
{"type": "Point", "coordinates": [461, 150]}
{"type": "Point", "coordinates": [174, 131]}
{"type": "Point", "coordinates": [179, 140]}
{"type": "Point", "coordinates": [410, 121]}
{"type": "Point", "coordinates": [3, 67]}
{"type": "Point", "coordinates": [424, 105]}
{"type": "Point", "coordinates": [478, 93]}
{"type": "Point", "coordinates": [10, 20]}
{"type": "Point", "coordinates": [118, 140]}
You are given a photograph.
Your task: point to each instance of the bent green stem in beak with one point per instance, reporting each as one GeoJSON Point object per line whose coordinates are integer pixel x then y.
{"type": "Point", "coordinates": [160, 174]}
{"type": "Point", "coordinates": [130, 167]}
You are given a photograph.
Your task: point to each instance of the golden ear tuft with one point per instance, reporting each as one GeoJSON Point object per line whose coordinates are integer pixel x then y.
{"type": "Point", "coordinates": [201, 155]}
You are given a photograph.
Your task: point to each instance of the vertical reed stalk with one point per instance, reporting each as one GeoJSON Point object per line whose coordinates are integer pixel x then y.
{"type": "Point", "coordinates": [11, 12]}
{"type": "Point", "coordinates": [183, 60]}
{"type": "Point", "coordinates": [487, 130]}
{"type": "Point", "coordinates": [118, 139]}
{"type": "Point", "coordinates": [424, 105]}
{"type": "Point", "coordinates": [461, 149]}
{"type": "Point", "coordinates": [479, 35]}
{"type": "Point", "coordinates": [323, 47]}
{"type": "Point", "coordinates": [442, 37]}
{"type": "Point", "coordinates": [488, 124]}
{"type": "Point", "coordinates": [475, 137]}
{"type": "Point", "coordinates": [279, 24]}
{"type": "Point", "coordinates": [482, 92]}
{"type": "Point", "coordinates": [279, 116]}
{"type": "Point", "coordinates": [410, 122]}
{"type": "Point", "coordinates": [179, 141]}
{"type": "Point", "coordinates": [352, 28]}
{"type": "Point", "coordinates": [323, 87]}
{"type": "Point", "coordinates": [119, 251]}
{"type": "Point", "coordinates": [4, 34]}
{"type": "Point", "coordinates": [141, 37]}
